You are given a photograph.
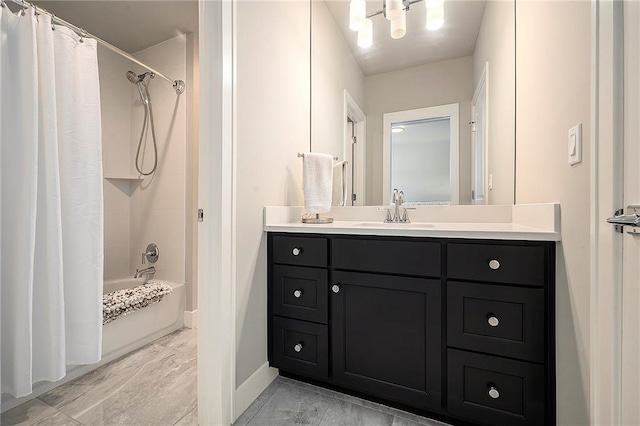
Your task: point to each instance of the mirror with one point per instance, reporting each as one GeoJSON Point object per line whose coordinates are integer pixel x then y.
{"type": "Point", "coordinates": [360, 96]}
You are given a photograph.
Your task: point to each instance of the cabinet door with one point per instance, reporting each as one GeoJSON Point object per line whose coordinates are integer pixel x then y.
{"type": "Point", "coordinates": [386, 337]}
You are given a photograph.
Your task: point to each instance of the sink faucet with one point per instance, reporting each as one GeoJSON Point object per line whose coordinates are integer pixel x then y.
{"type": "Point", "coordinates": [397, 199]}
{"type": "Point", "coordinates": [146, 271]}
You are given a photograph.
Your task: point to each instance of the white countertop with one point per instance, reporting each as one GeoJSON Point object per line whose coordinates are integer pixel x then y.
{"type": "Point", "coordinates": [533, 222]}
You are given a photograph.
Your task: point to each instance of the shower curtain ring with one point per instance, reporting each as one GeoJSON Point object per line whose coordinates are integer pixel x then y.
{"type": "Point", "coordinates": [53, 18]}
{"type": "Point", "coordinates": [2, 4]}
{"type": "Point", "coordinates": [83, 34]}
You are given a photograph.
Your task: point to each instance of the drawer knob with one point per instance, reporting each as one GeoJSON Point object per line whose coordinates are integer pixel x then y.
{"type": "Point", "coordinates": [297, 293]}
{"type": "Point", "coordinates": [296, 251]}
{"type": "Point", "coordinates": [298, 347]}
{"type": "Point", "coordinates": [335, 288]}
{"type": "Point", "coordinates": [493, 392]}
{"type": "Point", "coordinates": [494, 264]}
{"type": "Point", "coordinates": [493, 320]}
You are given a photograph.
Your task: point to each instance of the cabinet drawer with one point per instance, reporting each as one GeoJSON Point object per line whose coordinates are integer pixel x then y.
{"type": "Point", "coordinates": [395, 257]}
{"type": "Point", "coordinates": [499, 391]}
{"type": "Point", "coordinates": [508, 264]}
{"type": "Point", "coordinates": [300, 293]}
{"type": "Point", "coordinates": [303, 251]}
{"type": "Point", "coordinates": [301, 347]}
{"type": "Point", "coordinates": [506, 321]}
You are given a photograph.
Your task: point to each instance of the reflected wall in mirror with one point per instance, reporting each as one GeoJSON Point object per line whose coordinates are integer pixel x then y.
{"type": "Point", "coordinates": [469, 61]}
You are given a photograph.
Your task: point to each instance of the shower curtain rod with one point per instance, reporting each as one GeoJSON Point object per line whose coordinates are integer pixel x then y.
{"type": "Point", "coordinates": [178, 85]}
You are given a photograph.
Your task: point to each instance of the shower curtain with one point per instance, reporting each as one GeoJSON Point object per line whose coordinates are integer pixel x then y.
{"type": "Point", "coordinates": [51, 215]}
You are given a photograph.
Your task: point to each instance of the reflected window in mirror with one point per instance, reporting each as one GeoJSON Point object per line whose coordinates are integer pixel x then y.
{"type": "Point", "coordinates": [420, 154]}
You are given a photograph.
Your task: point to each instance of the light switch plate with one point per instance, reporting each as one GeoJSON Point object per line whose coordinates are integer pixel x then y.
{"type": "Point", "coordinates": [574, 144]}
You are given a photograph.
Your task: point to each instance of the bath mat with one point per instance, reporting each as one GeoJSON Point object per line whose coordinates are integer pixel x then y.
{"type": "Point", "coordinates": [122, 302]}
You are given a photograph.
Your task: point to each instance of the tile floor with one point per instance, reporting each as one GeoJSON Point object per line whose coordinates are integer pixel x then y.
{"type": "Point", "coordinates": [289, 402]}
{"type": "Point", "coordinates": [156, 385]}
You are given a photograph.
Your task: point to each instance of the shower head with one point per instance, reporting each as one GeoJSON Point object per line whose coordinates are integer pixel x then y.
{"type": "Point", "coordinates": [135, 79]}
{"type": "Point", "coordinates": [138, 80]}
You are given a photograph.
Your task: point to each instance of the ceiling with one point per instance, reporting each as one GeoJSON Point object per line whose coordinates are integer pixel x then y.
{"type": "Point", "coordinates": [419, 46]}
{"type": "Point", "coordinates": [129, 25]}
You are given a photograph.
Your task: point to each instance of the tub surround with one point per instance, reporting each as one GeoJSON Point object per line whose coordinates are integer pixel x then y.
{"type": "Point", "coordinates": [531, 222]}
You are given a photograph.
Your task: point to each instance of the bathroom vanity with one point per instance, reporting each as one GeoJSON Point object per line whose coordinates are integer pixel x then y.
{"type": "Point", "coordinates": [463, 328]}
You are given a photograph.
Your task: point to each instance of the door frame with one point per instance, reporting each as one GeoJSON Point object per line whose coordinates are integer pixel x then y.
{"type": "Point", "coordinates": [606, 172]}
{"type": "Point", "coordinates": [353, 111]}
{"type": "Point", "coordinates": [482, 87]}
{"type": "Point", "coordinates": [216, 234]}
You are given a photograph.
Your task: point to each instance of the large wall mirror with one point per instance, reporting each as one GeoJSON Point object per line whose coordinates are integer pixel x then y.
{"type": "Point", "coordinates": [431, 112]}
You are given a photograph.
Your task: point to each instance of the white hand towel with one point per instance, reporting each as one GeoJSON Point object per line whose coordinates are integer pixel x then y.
{"type": "Point", "coordinates": [318, 182]}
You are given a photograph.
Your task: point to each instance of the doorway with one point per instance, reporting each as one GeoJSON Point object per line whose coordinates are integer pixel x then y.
{"type": "Point", "coordinates": [479, 138]}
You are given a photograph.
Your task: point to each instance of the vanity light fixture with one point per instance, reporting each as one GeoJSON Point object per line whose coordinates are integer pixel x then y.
{"type": "Point", "coordinates": [357, 14]}
{"type": "Point", "coordinates": [365, 35]}
{"type": "Point", "coordinates": [435, 14]}
{"type": "Point", "coordinates": [394, 11]}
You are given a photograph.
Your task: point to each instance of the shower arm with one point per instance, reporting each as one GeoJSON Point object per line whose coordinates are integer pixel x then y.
{"type": "Point", "coordinates": [178, 85]}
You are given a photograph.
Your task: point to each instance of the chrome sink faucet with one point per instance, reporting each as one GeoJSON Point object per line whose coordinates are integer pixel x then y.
{"type": "Point", "coordinates": [397, 199]}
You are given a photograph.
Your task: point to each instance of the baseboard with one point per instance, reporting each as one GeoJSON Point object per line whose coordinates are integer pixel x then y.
{"type": "Point", "coordinates": [191, 319]}
{"type": "Point", "coordinates": [251, 388]}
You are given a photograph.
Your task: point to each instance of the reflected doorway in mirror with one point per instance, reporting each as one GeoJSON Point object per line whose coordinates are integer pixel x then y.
{"type": "Point", "coordinates": [479, 138]}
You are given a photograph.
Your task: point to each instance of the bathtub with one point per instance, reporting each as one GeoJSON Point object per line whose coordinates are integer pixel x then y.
{"type": "Point", "coordinates": [123, 335]}
{"type": "Point", "coordinates": [135, 330]}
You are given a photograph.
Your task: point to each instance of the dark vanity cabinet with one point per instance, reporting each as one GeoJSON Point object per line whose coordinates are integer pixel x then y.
{"type": "Point", "coordinates": [460, 329]}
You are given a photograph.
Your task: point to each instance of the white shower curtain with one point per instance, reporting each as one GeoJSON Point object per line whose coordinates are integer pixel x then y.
{"type": "Point", "coordinates": [51, 215]}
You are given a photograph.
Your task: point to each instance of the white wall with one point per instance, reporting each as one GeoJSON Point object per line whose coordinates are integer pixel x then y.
{"type": "Point", "coordinates": [158, 202]}
{"type": "Point", "coordinates": [334, 69]}
{"type": "Point", "coordinates": [272, 113]}
{"type": "Point", "coordinates": [496, 45]}
{"type": "Point", "coordinates": [115, 103]}
{"type": "Point", "coordinates": [553, 94]}
{"type": "Point", "coordinates": [423, 86]}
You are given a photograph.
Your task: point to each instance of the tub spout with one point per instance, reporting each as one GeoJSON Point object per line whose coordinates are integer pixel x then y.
{"type": "Point", "coordinates": [146, 271]}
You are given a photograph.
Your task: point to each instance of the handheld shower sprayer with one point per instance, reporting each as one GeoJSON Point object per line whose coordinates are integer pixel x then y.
{"type": "Point", "coordinates": [143, 91]}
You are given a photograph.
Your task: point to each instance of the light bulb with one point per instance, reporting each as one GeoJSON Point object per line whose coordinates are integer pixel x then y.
{"type": "Point", "coordinates": [357, 14]}
{"type": "Point", "coordinates": [394, 9]}
{"type": "Point", "coordinates": [432, 4]}
{"type": "Point", "coordinates": [435, 18]}
{"type": "Point", "coordinates": [399, 26]}
{"type": "Point", "coordinates": [365, 35]}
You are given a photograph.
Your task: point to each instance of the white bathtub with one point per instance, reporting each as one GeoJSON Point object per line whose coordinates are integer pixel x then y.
{"type": "Point", "coordinates": [135, 330]}
{"type": "Point", "coordinates": [123, 335]}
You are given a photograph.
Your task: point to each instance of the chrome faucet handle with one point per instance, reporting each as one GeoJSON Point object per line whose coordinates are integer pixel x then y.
{"type": "Point", "coordinates": [387, 217]}
{"type": "Point", "coordinates": [152, 253]}
{"type": "Point", "coordinates": [405, 215]}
